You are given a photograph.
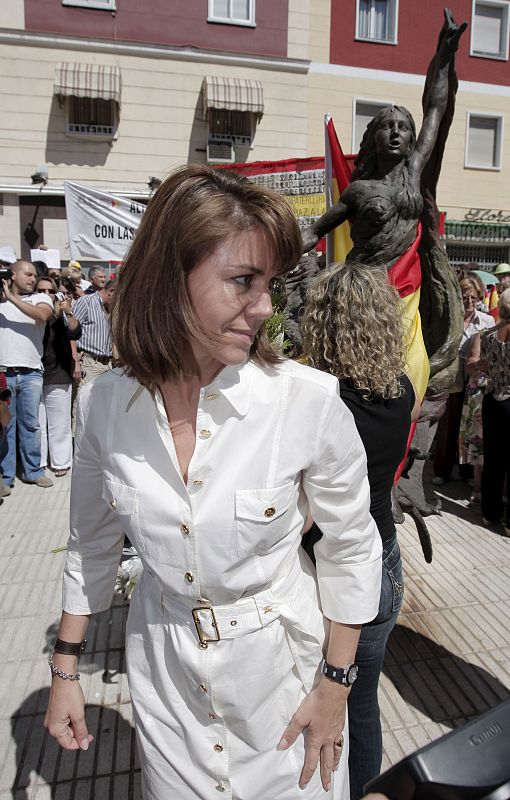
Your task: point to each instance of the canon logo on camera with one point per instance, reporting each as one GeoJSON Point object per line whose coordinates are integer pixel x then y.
{"type": "Point", "coordinates": [486, 735]}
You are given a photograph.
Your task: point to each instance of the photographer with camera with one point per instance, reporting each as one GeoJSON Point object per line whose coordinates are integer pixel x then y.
{"type": "Point", "coordinates": [23, 318]}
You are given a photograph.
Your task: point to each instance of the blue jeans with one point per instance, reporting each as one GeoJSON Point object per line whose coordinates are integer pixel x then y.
{"type": "Point", "coordinates": [26, 388]}
{"type": "Point", "coordinates": [365, 737]}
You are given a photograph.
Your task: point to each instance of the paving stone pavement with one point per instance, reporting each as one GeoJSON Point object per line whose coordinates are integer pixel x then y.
{"type": "Point", "coordinates": [448, 659]}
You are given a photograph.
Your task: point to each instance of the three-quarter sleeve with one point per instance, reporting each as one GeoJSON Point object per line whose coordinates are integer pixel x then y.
{"type": "Point", "coordinates": [96, 538]}
{"type": "Point", "coordinates": [348, 556]}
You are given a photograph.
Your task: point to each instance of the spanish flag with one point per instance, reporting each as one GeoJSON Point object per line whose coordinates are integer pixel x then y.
{"type": "Point", "coordinates": [405, 275]}
{"type": "Point", "coordinates": [337, 176]}
{"type": "Point", "coordinates": [494, 303]}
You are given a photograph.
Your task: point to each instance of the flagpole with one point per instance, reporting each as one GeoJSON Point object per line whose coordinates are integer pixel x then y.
{"type": "Point", "coordinates": [328, 186]}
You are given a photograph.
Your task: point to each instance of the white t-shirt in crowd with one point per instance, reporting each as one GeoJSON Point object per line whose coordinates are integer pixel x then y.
{"type": "Point", "coordinates": [21, 337]}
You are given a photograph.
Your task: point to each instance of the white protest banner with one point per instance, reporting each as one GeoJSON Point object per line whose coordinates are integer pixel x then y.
{"type": "Point", "coordinates": [50, 257]}
{"type": "Point", "coordinates": [7, 254]}
{"type": "Point", "coordinates": [100, 225]}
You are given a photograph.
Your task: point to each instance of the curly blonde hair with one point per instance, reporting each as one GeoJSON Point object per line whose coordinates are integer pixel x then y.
{"type": "Point", "coordinates": [352, 328]}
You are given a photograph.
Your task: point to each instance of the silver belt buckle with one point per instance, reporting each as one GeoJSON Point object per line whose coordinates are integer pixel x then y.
{"type": "Point", "coordinates": [203, 640]}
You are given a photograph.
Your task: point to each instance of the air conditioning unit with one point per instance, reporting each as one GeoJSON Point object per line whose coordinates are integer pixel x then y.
{"type": "Point", "coordinates": [220, 151]}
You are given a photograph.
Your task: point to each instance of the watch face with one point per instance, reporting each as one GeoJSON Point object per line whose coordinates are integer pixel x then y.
{"type": "Point", "coordinates": [352, 675]}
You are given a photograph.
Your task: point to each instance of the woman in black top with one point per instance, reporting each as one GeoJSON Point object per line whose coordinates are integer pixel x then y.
{"type": "Point", "coordinates": [352, 328]}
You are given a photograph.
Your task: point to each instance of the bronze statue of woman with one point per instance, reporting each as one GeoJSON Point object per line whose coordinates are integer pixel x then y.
{"type": "Point", "coordinates": [393, 187]}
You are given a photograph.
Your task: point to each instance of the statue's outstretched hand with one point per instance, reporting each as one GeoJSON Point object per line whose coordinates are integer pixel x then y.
{"type": "Point", "coordinates": [449, 37]}
{"type": "Point", "coordinates": [309, 239]}
{"type": "Point", "coordinates": [307, 267]}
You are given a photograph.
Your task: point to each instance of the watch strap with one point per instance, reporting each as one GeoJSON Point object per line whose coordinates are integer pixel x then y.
{"type": "Point", "coordinates": [342, 675]}
{"type": "Point", "coordinates": [69, 648]}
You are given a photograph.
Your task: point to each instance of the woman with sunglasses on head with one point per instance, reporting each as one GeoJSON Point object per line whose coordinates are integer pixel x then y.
{"type": "Point", "coordinates": [55, 409]}
{"type": "Point", "coordinates": [208, 449]}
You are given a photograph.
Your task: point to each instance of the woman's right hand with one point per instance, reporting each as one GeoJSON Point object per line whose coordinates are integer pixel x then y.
{"type": "Point", "coordinates": [65, 305]}
{"type": "Point", "coordinates": [65, 717]}
{"type": "Point", "coordinates": [77, 371]}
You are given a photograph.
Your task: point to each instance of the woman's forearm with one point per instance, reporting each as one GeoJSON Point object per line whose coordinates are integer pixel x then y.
{"type": "Point", "coordinates": [342, 644]}
{"type": "Point", "coordinates": [72, 628]}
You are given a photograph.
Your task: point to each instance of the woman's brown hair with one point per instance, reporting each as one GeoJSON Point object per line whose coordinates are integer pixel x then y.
{"type": "Point", "coordinates": [192, 212]}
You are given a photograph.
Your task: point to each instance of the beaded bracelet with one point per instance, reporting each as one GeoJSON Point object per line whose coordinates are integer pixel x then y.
{"type": "Point", "coordinates": [66, 676]}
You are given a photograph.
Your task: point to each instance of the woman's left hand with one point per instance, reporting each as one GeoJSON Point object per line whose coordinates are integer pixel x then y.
{"type": "Point", "coordinates": [322, 714]}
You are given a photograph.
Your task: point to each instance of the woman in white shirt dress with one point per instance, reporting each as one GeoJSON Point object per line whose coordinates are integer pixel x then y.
{"type": "Point", "coordinates": [209, 451]}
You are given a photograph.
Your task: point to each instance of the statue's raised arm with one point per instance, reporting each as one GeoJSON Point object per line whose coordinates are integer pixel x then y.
{"type": "Point", "coordinates": [435, 97]}
{"type": "Point", "coordinates": [384, 199]}
{"type": "Point", "coordinates": [392, 189]}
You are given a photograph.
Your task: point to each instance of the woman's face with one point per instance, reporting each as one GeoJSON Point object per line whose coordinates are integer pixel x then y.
{"type": "Point", "coordinates": [230, 292]}
{"type": "Point", "coordinates": [393, 135]}
{"type": "Point", "coordinates": [469, 299]}
{"type": "Point", "coordinates": [45, 287]}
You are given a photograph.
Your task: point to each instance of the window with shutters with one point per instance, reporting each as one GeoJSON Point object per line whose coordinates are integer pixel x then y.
{"type": "Point", "coordinates": [484, 141]}
{"type": "Point", "coordinates": [489, 29]}
{"type": "Point", "coordinates": [228, 130]}
{"type": "Point", "coordinates": [377, 20]}
{"type": "Point", "coordinates": [90, 116]}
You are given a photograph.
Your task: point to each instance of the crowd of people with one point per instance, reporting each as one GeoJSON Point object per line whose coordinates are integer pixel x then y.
{"type": "Point", "coordinates": [472, 429]}
{"type": "Point", "coordinates": [55, 335]}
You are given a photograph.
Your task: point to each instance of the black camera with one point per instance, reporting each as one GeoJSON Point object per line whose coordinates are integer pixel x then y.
{"type": "Point", "coordinates": [5, 394]}
{"type": "Point", "coordinates": [5, 275]}
{"type": "Point", "coordinates": [470, 763]}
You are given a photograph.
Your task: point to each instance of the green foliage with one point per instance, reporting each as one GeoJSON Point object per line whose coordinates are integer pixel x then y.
{"type": "Point", "coordinates": [276, 332]}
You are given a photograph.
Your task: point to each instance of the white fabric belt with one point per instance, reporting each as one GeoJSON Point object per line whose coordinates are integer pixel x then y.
{"type": "Point", "coordinates": [213, 623]}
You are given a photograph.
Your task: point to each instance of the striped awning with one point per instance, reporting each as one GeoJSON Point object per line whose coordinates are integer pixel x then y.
{"type": "Point", "coordinates": [233, 94]}
{"type": "Point", "coordinates": [87, 80]}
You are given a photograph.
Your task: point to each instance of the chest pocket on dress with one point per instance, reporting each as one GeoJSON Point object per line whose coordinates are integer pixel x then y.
{"type": "Point", "coordinates": [262, 518]}
{"type": "Point", "coordinates": [123, 500]}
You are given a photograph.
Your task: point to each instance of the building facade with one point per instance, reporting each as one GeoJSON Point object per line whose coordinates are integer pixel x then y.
{"type": "Point", "coordinates": [111, 93]}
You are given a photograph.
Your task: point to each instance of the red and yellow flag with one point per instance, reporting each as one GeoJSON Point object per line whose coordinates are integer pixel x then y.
{"type": "Point", "coordinates": [405, 275]}
{"type": "Point", "coordinates": [494, 303]}
{"type": "Point", "coordinates": [337, 176]}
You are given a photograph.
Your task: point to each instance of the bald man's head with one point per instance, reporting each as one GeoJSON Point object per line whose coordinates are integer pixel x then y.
{"type": "Point", "coordinates": [24, 277]}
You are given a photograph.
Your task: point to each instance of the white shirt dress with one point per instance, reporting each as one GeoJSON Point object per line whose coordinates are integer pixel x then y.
{"type": "Point", "coordinates": [225, 634]}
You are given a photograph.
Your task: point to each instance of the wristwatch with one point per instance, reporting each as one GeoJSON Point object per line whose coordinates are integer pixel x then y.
{"type": "Point", "coordinates": [343, 675]}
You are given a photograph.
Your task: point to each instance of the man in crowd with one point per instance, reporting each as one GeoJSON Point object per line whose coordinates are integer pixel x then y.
{"type": "Point", "coordinates": [97, 278]}
{"type": "Point", "coordinates": [23, 317]}
{"type": "Point", "coordinates": [502, 273]}
{"type": "Point", "coordinates": [95, 345]}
